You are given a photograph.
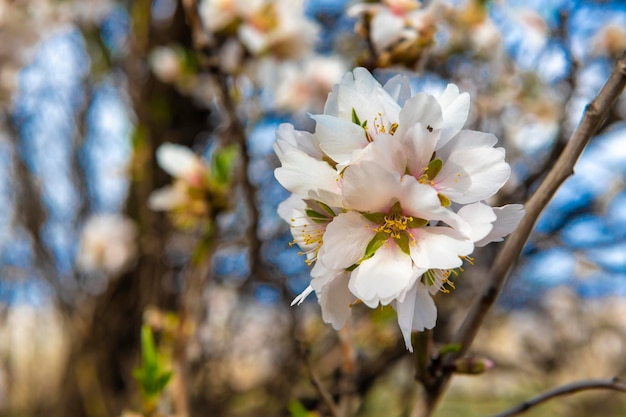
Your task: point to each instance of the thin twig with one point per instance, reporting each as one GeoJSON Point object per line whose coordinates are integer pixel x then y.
{"type": "Point", "coordinates": [614, 384]}
{"type": "Point", "coordinates": [317, 384]}
{"type": "Point", "coordinates": [593, 117]}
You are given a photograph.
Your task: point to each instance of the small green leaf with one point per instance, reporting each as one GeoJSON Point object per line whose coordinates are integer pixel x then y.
{"type": "Point", "coordinates": [396, 208]}
{"type": "Point", "coordinates": [296, 409]}
{"type": "Point", "coordinates": [152, 379]}
{"type": "Point", "coordinates": [378, 218]}
{"type": "Point", "coordinates": [450, 348]}
{"type": "Point", "coordinates": [403, 242]}
{"type": "Point", "coordinates": [352, 267]}
{"type": "Point", "coordinates": [355, 118]}
{"type": "Point", "coordinates": [326, 208]}
{"type": "Point", "coordinates": [417, 222]}
{"type": "Point", "coordinates": [377, 241]}
{"type": "Point", "coordinates": [445, 201]}
{"type": "Point", "coordinates": [315, 215]}
{"type": "Point", "coordinates": [433, 169]}
{"type": "Point", "coordinates": [223, 164]}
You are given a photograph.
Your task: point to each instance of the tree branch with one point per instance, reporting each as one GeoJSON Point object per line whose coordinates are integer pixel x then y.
{"type": "Point", "coordinates": [614, 384]}
{"type": "Point", "coordinates": [317, 384]}
{"type": "Point", "coordinates": [593, 116]}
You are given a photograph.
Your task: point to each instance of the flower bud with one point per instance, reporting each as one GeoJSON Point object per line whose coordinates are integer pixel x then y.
{"type": "Point", "coordinates": [472, 365]}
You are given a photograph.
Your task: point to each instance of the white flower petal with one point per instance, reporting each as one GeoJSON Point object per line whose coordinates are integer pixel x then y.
{"type": "Point", "coordinates": [383, 277]}
{"type": "Point", "coordinates": [419, 145]}
{"type": "Point", "coordinates": [295, 174]}
{"type": "Point", "coordinates": [287, 138]}
{"type": "Point", "coordinates": [439, 247]}
{"type": "Point", "coordinates": [339, 138]}
{"type": "Point", "coordinates": [470, 175]}
{"type": "Point", "coordinates": [386, 29]}
{"type": "Point", "coordinates": [167, 198]}
{"type": "Point", "coordinates": [387, 152]}
{"type": "Point", "coordinates": [421, 108]}
{"type": "Point", "coordinates": [345, 240]}
{"type": "Point", "coordinates": [369, 187]}
{"type": "Point", "coordinates": [455, 108]}
{"type": "Point", "coordinates": [420, 200]}
{"type": "Point", "coordinates": [335, 300]}
{"type": "Point", "coordinates": [417, 312]}
{"type": "Point", "coordinates": [399, 88]}
{"type": "Point", "coordinates": [360, 92]}
{"type": "Point", "coordinates": [178, 161]}
{"type": "Point", "coordinates": [480, 218]}
{"type": "Point", "coordinates": [508, 217]}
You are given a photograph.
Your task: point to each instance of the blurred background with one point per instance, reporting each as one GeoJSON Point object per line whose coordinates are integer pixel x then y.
{"type": "Point", "coordinates": [89, 90]}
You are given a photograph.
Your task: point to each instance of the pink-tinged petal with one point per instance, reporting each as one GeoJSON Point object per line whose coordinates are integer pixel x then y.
{"type": "Point", "coordinates": [455, 108]}
{"type": "Point", "coordinates": [369, 187]}
{"type": "Point", "coordinates": [470, 175]}
{"type": "Point", "coordinates": [335, 299]}
{"type": "Point", "coordinates": [345, 240]}
{"type": "Point", "coordinates": [383, 277]}
{"type": "Point", "coordinates": [339, 138]}
{"type": "Point", "coordinates": [417, 312]}
{"type": "Point", "coordinates": [439, 247]}
{"type": "Point", "coordinates": [295, 174]}
{"type": "Point", "coordinates": [480, 217]}
{"type": "Point", "coordinates": [420, 200]}
{"type": "Point", "coordinates": [399, 88]}
{"type": "Point", "coordinates": [421, 108]}
{"type": "Point", "coordinates": [508, 217]}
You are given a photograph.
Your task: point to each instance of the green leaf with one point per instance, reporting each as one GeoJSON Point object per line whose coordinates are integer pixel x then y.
{"type": "Point", "coordinates": [296, 409]}
{"type": "Point", "coordinates": [403, 242]}
{"type": "Point", "coordinates": [450, 348]}
{"type": "Point", "coordinates": [315, 215]}
{"type": "Point", "coordinates": [417, 222]}
{"type": "Point", "coordinates": [396, 208]}
{"type": "Point", "coordinates": [433, 169]}
{"type": "Point", "coordinates": [355, 118]}
{"type": "Point", "coordinates": [378, 218]}
{"type": "Point", "coordinates": [377, 241]}
{"type": "Point", "coordinates": [352, 267]}
{"type": "Point", "coordinates": [223, 164]}
{"type": "Point", "coordinates": [152, 379]}
{"type": "Point", "coordinates": [326, 208]}
{"type": "Point", "coordinates": [445, 201]}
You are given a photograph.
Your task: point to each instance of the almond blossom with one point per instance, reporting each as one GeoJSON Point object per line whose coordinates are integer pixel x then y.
{"type": "Point", "coordinates": [388, 197]}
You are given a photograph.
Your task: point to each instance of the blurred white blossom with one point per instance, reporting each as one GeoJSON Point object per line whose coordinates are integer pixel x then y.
{"type": "Point", "coordinates": [108, 244]}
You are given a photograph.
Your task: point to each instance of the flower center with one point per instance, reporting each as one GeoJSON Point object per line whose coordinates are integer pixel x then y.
{"type": "Point", "coordinates": [394, 224]}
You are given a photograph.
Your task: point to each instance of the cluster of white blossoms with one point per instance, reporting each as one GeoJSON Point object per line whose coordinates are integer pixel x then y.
{"type": "Point", "coordinates": [387, 197]}
{"type": "Point", "coordinates": [277, 27]}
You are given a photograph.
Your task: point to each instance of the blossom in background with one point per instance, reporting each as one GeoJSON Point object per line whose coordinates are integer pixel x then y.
{"type": "Point", "coordinates": [264, 27]}
{"type": "Point", "coordinates": [107, 244]}
{"type": "Point", "coordinates": [399, 30]}
{"type": "Point", "coordinates": [302, 86]}
{"type": "Point", "coordinates": [200, 187]}
{"type": "Point", "coordinates": [388, 196]}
